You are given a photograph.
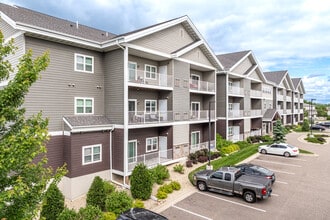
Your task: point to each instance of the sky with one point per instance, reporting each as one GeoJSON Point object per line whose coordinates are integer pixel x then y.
{"type": "Point", "coordinates": [283, 35]}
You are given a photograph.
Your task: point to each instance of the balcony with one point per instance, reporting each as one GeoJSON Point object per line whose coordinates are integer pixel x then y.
{"type": "Point", "coordinates": [201, 86]}
{"type": "Point", "coordinates": [235, 113]}
{"type": "Point", "coordinates": [204, 145]}
{"type": "Point", "coordinates": [280, 97]}
{"type": "Point", "coordinates": [288, 98]}
{"type": "Point", "coordinates": [139, 77]}
{"type": "Point", "coordinates": [236, 137]}
{"type": "Point", "coordinates": [256, 112]}
{"type": "Point", "coordinates": [255, 132]}
{"type": "Point", "coordinates": [256, 93]}
{"type": "Point", "coordinates": [150, 159]}
{"type": "Point", "coordinates": [141, 117]}
{"type": "Point", "coordinates": [235, 90]}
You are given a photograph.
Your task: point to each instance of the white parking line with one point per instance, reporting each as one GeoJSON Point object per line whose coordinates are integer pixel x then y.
{"type": "Point", "coordinates": [193, 213]}
{"type": "Point", "coordinates": [281, 182]}
{"type": "Point", "coordinates": [279, 171]}
{"type": "Point", "coordinates": [236, 203]}
{"type": "Point", "coordinates": [276, 195]}
{"type": "Point", "coordinates": [286, 164]}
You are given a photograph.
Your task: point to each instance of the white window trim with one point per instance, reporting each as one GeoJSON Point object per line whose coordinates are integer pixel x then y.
{"type": "Point", "coordinates": [145, 105]}
{"type": "Point", "coordinates": [152, 150]}
{"type": "Point", "coordinates": [145, 72]}
{"type": "Point", "coordinates": [198, 79]}
{"type": "Point", "coordinates": [135, 104]}
{"type": "Point", "coordinates": [84, 56]}
{"type": "Point", "coordinates": [135, 156]}
{"type": "Point", "coordinates": [91, 146]}
{"type": "Point", "coordinates": [84, 98]}
{"type": "Point", "coordinates": [129, 69]}
{"type": "Point", "coordinates": [230, 106]}
{"type": "Point", "coordinates": [199, 136]}
{"type": "Point", "coordinates": [230, 131]}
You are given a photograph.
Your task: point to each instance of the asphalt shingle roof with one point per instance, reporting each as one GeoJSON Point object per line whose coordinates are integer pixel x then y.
{"type": "Point", "coordinates": [32, 18]}
{"type": "Point", "coordinates": [88, 120]}
{"type": "Point", "coordinates": [296, 82]}
{"type": "Point", "coordinates": [275, 76]}
{"type": "Point", "coordinates": [270, 115]}
{"type": "Point", "coordinates": [230, 59]}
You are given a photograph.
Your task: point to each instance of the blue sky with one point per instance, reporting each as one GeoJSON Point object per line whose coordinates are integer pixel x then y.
{"type": "Point", "coordinates": [283, 35]}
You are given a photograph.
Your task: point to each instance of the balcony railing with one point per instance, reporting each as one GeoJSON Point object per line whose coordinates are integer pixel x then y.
{"type": "Point", "coordinates": [280, 97]}
{"type": "Point", "coordinates": [256, 112]}
{"type": "Point", "coordinates": [204, 145]}
{"type": "Point", "coordinates": [235, 113]}
{"type": "Point", "coordinates": [255, 93]}
{"type": "Point", "coordinates": [235, 90]}
{"type": "Point", "coordinates": [141, 117]}
{"type": "Point", "coordinates": [152, 79]}
{"type": "Point", "coordinates": [202, 86]}
{"type": "Point", "coordinates": [236, 137]}
{"type": "Point", "coordinates": [288, 98]}
{"type": "Point", "coordinates": [150, 159]}
{"type": "Point", "coordinates": [256, 132]}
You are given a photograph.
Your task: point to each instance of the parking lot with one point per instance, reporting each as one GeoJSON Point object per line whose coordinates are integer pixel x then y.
{"type": "Point", "coordinates": [300, 192]}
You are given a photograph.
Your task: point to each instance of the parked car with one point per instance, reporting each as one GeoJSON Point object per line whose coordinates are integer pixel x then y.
{"type": "Point", "coordinates": [324, 124]}
{"type": "Point", "coordinates": [317, 127]}
{"type": "Point", "coordinates": [140, 214]}
{"type": "Point", "coordinates": [252, 169]}
{"type": "Point", "coordinates": [284, 149]}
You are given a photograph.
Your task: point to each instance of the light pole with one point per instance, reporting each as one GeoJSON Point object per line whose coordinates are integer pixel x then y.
{"type": "Point", "coordinates": [311, 114]}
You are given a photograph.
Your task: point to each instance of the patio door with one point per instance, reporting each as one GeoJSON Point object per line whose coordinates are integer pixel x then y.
{"type": "Point", "coordinates": [131, 71]}
{"type": "Point", "coordinates": [163, 109]}
{"type": "Point", "coordinates": [195, 110]}
{"type": "Point", "coordinates": [132, 151]}
{"type": "Point", "coordinates": [163, 146]}
{"type": "Point", "coordinates": [162, 75]}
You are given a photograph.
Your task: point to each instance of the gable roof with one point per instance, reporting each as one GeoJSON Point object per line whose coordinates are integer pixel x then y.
{"type": "Point", "coordinates": [271, 115]}
{"type": "Point", "coordinates": [298, 82]}
{"type": "Point", "coordinates": [275, 76]}
{"type": "Point", "coordinates": [229, 60]}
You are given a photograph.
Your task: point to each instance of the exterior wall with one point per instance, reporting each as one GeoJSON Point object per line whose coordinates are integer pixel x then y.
{"type": "Point", "coordinates": [181, 94]}
{"type": "Point", "coordinates": [181, 134]}
{"type": "Point", "coordinates": [51, 93]}
{"type": "Point", "coordinates": [6, 29]}
{"type": "Point", "coordinates": [243, 67]}
{"type": "Point", "coordinates": [114, 86]}
{"type": "Point", "coordinates": [78, 141]}
{"type": "Point", "coordinates": [221, 95]}
{"type": "Point", "coordinates": [118, 149]}
{"type": "Point", "coordinates": [55, 151]}
{"type": "Point", "coordinates": [167, 40]}
{"type": "Point", "coordinates": [221, 128]}
{"type": "Point", "coordinates": [198, 56]}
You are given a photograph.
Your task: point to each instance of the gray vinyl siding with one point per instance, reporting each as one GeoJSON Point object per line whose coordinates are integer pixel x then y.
{"type": "Point", "coordinates": [254, 75]}
{"type": "Point", "coordinates": [247, 99]}
{"type": "Point", "coordinates": [167, 40]}
{"type": "Point", "coordinates": [114, 86]}
{"type": "Point", "coordinates": [6, 29]}
{"type": "Point", "coordinates": [197, 56]}
{"type": "Point", "coordinates": [181, 94]}
{"type": "Point", "coordinates": [141, 96]}
{"type": "Point", "coordinates": [51, 93]}
{"type": "Point", "coordinates": [19, 43]}
{"type": "Point", "coordinates": [221, 95]}
{"type": "Point", "coordinates": [181, 134]}
{"type": "Point", "coordinates": [243, 67]}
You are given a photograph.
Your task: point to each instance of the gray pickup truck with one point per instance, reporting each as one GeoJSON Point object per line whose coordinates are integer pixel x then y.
{"type": "Point", "coordinates": [230, 181]}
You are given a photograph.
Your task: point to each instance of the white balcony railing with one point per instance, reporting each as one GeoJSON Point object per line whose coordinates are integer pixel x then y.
{"type": "Point", "coordinates": [256, 112]}
{"type": "Point", "coordinates": [256, 132]}
{"type": "Point", "coordinates": [236, 137]}
{"type": "Point", "coordinates": [288, 98]}
{"type": "Point", "coordinates": [152, 79]}
{"type": "Point", "coordinates": [235, 113]}
{"type": "Point", "coordinates": [202, 86]}
{"type": "Point", "coordinates": [204, 145]}
{"type": "Point", "coordinates": [280, 97]}
{"type": "Point", "coordinates": [235, 90]}
{"type": "Point", "coordinates": [255, 93]}
{"type": "Point", "coordinates": [150, 159]}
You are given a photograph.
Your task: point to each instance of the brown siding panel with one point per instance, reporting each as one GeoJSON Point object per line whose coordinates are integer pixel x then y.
{"type": "Point", "coordinates": [118, 149]}
{"type": "Point", "coordinates": [55, 151]}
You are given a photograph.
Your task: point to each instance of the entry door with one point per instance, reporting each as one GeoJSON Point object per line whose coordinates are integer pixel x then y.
{"type": "Point", "coordinates": [163, 75]}
{"type": "Point", "coordinates": [163, 146]}
{"type": "Point", "coordinates": [163, 109]}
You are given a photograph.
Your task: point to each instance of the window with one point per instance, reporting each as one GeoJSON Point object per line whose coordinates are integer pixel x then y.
{"type": "Point", "coordinates": [195, 109]}
{"type": "Point", "coordinates": [230, 85]}
{"type": "Point", "coordinates": [132, 71]}
{"type": "Point", "coordinates": [150, 106]}
{"type": "Point", "coordinates": [230, 131]}
{"type": "Point", "coordinates": [230, 106]}
{"type": "Point", "coordinates": [194, 81]}
{"type": "Point", "coordinates": [84, 63]}
{"type": "Point", "coordinates": [84, 105]}
{"type": "Point", "coordinates": [132, 151]}
{"type": "Point", "coordinates": [227, 176]}
{"type": "Point", "coordinates": [195, 140]}
{"type": "Point", "coordinates": [132, 106]}
{"type": "Point", "coordinates": [150, 72]}
{"type": "Point", "coordinates": [92, 154]}
{"type": "Point", "coordinates": [151, 144]}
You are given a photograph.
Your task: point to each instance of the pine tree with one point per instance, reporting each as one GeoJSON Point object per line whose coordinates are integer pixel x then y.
{"type": "Point", "coordinates": [279, 133]}
{"type": "Point", "coordinates": [53, 203]}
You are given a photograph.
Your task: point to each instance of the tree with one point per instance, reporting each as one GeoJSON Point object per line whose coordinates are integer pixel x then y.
{"type": "Point", "coordinates": [96, 195]}
{"type": "Point", "coordinates": [305, 125]}
{"type": "Point", "coordinates": [141, 182]}
{"type": "Point", "coordinates": [53, 203]}
{"type": "Point", "coordinates": [279, 132]}
{"type": "Point", "coordinates": [24, 174]}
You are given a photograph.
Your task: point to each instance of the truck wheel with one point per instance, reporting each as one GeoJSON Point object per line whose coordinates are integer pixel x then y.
{"type": "Point", "coordinates": [263, 151]}
{"type": "Point", "coordinates": [249, 197]}
{"type": "Point", "coordinates": [201, 186]}
{"type": "Point", "coordinates": [286, 154]}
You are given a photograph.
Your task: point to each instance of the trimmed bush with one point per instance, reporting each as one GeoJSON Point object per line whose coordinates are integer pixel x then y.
{"type": "Point", "coordinates": [175, 185]}
{"type": "Point", "coordinates": [118, 202]}
{"type": "Point", "coordinates": [68, 214]}
{"type": "Point", "coordinates": [221, 142]}
{"type": "Point", "coordinates": [178, 168]}
{"type": "Point", "coordinates": [90, 213]}
{"type": "Point", "coordinates": [138, 203]}
{"type": "Point", "coordinates": [141, 182]}
{"type": "Point", "coordinates": [159, 174]}
{"type": "Point", "coordinates": [229, 149]}
{"type": "Point", "coordinates": [96, 194]}
{"type": "Point", "coordinates": [53, 203]}
{"type": "Point", "coordinates": [161, 194]}
{"type": "Point", "coordinates": [108, 187]}
{"type": "Point", "coordinates": [109, 216]}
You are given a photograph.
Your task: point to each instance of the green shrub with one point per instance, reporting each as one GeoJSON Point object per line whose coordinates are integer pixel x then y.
{"type": "Point", "coordinates": [141, 182]}
{"type": "Point", "coordinates": [118, 202]}
{"type": "Point", "coordinates": [192, 156]}
{"type": "Point", "coordinates": [53, 203]}
{"type": "Point", "coordinates": [242, 144]}
{"type": "Point", "coordinates": [161, 194]}
{"type": "Point", "coordinates": [96, 194]}
{"type": "Point", "coordinates": [138, 203]}
{"type": "Point", "coordinates": [305, 125]}
{"type": "Point", "coordinates": [178, 168]}
{"type": "Point", "coordinates": [229, 149]}
{"type": "Point", "coordinates": [167, 188]}
{"type": "Point", "coordinates": [221, 142]}
{"type": "Point", "coordinates": [109, 216]}
{"type": "Point", "coordinates": [90, 213]}
{"type": "Point", "coordinates": [175, 185]}
{"type": "Point", "coordinates": [215, 155]}
{"type": "Point", "coordinates": [159, 174]}
{"type": "Point", "coordinates": [108, 187]}
{"type": "Point", "coordinates": [68, 214]}
{"type": "Point", "coordinates": [267, 138]}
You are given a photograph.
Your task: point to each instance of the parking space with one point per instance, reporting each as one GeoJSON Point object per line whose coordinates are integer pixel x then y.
{"type": "Point", "coordinates": [300, 192]}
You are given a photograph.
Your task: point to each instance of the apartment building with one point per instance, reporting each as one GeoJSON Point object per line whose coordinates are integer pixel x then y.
{"type": "Point", "coordinates": [288, 96]}
{"type": "Point", "coordinates": [239, 96]}
{"type": "Point", "coordinates": [114, 101]}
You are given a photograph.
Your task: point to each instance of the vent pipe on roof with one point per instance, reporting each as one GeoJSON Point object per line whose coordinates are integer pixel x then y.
{"type": "Point", "coordinates": [77, 24]}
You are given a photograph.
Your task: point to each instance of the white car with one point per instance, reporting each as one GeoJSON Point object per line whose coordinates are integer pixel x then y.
{"type": "Point", "coordinates": [284, 149]}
